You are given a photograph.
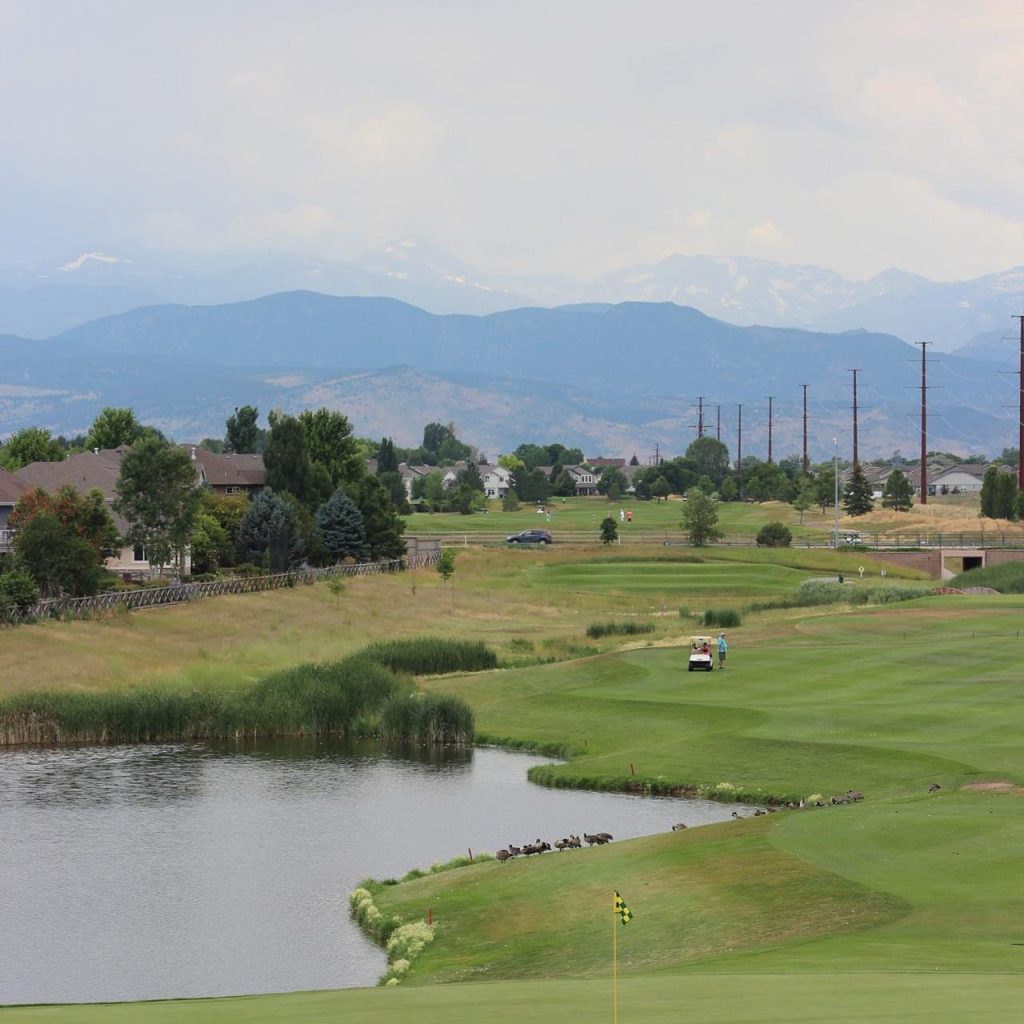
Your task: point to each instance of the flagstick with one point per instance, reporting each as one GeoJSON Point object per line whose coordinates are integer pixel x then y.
{"type": "Point", "coordinates": [615, 970]}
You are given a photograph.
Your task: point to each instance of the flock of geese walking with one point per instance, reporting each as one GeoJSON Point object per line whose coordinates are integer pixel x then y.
{"type": "Point", "coordinates": [851, 796]}
{"type": "Point", "coordinates": [569, 843]}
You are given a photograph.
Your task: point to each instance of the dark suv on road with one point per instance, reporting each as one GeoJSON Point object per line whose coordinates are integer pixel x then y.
{"type": "Point", "coordinates": [530, 537]}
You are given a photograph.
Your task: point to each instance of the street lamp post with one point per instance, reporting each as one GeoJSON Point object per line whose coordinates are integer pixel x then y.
{"type": "Point", "coordinates": [835, 463]}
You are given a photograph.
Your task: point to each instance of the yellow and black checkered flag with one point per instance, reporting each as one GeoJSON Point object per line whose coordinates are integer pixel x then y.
{"type": "Point", "coordinates": [622, 910]}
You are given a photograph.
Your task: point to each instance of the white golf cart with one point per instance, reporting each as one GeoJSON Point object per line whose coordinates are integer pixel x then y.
{"type": "Point", "coordinates": [702, 658]}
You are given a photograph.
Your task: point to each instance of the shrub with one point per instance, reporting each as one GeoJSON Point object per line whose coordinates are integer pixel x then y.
{"type": "Point", "coordinates": [1007, 578]}
{"type": "Point", "coordinates": [774, 535]}
{"type": "Point", "coordinates": [722, 617]}
{"type": "Point", "coordinates": [599, 629]}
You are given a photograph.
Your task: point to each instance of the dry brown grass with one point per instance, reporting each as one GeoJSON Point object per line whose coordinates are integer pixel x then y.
{"type": "Point", "coordinates": [231, 640]}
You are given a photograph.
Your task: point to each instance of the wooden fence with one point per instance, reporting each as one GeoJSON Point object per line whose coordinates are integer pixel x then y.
{"type": "Point", "coordinates": [153, 597]}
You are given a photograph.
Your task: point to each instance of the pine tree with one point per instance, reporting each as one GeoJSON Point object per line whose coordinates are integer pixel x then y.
{"type": "Point", "coordinates": [609, 530]}
{"type": "Point", "coordinates": [268, 522]}
{"type": "Point", "coordinates": [382, 526]}
{"type": "Point", "coordinates": [857, 499]}
{"type": "Point", "coordinates": [339, 524]}
{"type": "Point", "coordinates": [289, 467]}
{"type": "Point", "coordinates": [898, 493]}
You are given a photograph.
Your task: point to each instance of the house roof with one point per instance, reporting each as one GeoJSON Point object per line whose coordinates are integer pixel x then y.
{"type": "Point", "coordinates": [601, 463]}
{"type": "Point", "coordinates": [86, 471]}
{"type": "Point", "coordinates": [12, 487]}
{"type": "Point", "coordinates": [229, 469]}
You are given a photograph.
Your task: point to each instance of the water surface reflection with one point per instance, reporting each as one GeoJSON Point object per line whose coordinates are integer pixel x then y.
{"type": "Point", "coordinates": [151, 872]}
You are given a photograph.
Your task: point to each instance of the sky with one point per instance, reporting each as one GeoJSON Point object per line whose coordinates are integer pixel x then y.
{"type": "Point", "coordinates": [525, 137]}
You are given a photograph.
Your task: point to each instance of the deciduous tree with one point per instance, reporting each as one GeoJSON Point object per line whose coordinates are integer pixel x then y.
{"type": "Point", "coordinates": [33, 444]}
{"type": "Point", "coordinates": [157, 494]}
{"type": "Point", "coordinates": [700, 518]}
{"type": "Point", "coordinates": [113, 428]}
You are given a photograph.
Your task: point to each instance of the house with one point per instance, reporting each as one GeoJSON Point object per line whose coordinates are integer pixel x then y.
{"type": "Point", "coordinates": [497, 480]}
{"type": "Point", "coordinates": [12, 487]}
{"type": "Point", "coordinates": [960, 479]}
{"type": "Point", "coordinates": [96, 470]}
{"type": "Point", "coordinates": [584, 479]}
{"type": "Point", "coordinates": [229, 473]}
{"type": "Point", "coordinates": [410, 474]}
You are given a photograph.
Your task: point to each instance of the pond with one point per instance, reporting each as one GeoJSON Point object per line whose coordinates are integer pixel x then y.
{"type": "Point", "coordinates": [153, 872]}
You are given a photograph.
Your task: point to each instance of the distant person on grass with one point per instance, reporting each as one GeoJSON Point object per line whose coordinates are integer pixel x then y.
{"type": "Point", "coordinates": [723, 647]}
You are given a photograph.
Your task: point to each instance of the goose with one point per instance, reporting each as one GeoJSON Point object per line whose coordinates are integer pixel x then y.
{"type": "Point", "coordinates": [561, 844]}
{"type": "Point", "coordinates": [503, 855]}
{"type": "Point", "coordinates": [758, 812]}
{"type": "Point", "coordinates": [855, 795]}
{"type": "Point", "coordinates": [934, 787]}
{"type": "Point", "coordinates": [679, 826]}
{"type": "Point", "coordinates": [737, 815]}
{"type": "Point", "coordinates": [575, 842]}
{"type": "Point", "coordinates": [591, 840]}
{"type": "Point", "coordinates": [606, 837]}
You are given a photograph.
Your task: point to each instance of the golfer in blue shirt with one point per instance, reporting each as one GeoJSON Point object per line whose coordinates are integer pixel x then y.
{"type": "Point", "coordinates": [722, 648]}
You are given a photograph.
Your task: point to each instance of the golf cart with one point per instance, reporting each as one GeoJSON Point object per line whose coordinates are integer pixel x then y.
{"type": "Point", "coordinates": [701, 654]}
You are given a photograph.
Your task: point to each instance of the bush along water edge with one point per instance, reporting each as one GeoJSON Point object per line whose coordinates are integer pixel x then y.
{"type": "Point", "coordinates": [402, 941]}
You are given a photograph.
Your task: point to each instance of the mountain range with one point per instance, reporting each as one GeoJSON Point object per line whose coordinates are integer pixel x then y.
{"type": "Point", "coordinates": [41, 300]}
{"type": "Point", "coordinates": [612, 378]}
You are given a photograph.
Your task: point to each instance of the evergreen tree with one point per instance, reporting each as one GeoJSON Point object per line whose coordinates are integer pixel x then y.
{"type": "Point", "coordinates": [339, 524]}
{"type": "Point", "coordinates": [700, 518]}
{"type": "Point", "coordinates": [825, 487]}
{"type": "Point", "coordinates": [470, 478]}
{"type": "Point", "coordinates": [857, 493]}
{"type": "Point", "coordinates": [243, 436]}
{"type": "Point", "coordinates": [387, 461]}
{"type": "Point", "coordinates": [1006, 495]}
{"type": "Point", "coordinates": [268, 521]}
{"type": "Point", "coordinates": [609, 530]}
{"type": "Point", "coordinates": [564, 485]}
{"type": "Point", "coordinates": [898, 493]}
{"type": "Point", "coordinates": [532, 485]}
{"type": "Point", "coordinates": [382, 526]}
{"type": "Point", "coordinates": [634, 461]}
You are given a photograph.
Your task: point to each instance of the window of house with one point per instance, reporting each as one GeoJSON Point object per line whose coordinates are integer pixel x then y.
{"type": "Point", "coordinates": [139, 553]}
{"type": "Point", "coordinates": [231, 489]}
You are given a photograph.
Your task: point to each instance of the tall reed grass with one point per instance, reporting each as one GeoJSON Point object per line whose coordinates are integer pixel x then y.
{"type": "Point", "coordinates": [599, 629]}
{"type": "Point", "coordinates": [428, 655]}
{"type": "Point", "coordinates": [355, 696]}
{"type": "Point", "coordinates": [427, 719]}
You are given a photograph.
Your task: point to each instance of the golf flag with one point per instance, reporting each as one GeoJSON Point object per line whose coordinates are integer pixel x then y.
{"type": "Point", "coordinates": [622, 910]}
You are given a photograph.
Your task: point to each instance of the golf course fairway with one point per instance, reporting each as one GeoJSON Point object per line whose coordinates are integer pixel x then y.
{"type": "Point", "coordinates": [905, 906]}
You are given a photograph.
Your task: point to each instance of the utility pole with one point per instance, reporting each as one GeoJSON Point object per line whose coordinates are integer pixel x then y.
{"type": "Point", "coordinates": [770, 399]}
{"type": "Point", "coordinates": [739, 451]}
{"type": "Point", "coordinates": [718, 423]}
{"type": "Point", "coordinates": [700, 415]}
{"type": "Point", "coordinates": [807, 463]}
{"type": "Point", "coordinates": [856, 449]}
{"type": "Point", "coordinates": [1020, 414]}
{"type": "Point", "coordinates": [924, 420]}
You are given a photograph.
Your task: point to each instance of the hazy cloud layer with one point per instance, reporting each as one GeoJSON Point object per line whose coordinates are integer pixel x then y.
{"type": "Point", "coordinates": [571, 137]}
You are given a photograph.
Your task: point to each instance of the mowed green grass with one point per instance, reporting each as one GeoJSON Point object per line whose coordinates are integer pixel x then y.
{"type": "Point", "coordinates": [881, 998]}
{"type": "Point", "coordinates": [907, 906]}
{"type": "Point", "coordinates": [580, 515]}
{"type": "Point", "coordinates": [705, 580]}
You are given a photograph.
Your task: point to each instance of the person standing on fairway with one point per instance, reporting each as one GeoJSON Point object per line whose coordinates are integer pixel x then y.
{"type": "Point", "coordinates": [722, 648]}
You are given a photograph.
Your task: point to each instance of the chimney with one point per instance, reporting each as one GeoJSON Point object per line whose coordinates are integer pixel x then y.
{"type": "Point", "coordinates": [193, 453]}
{"type": "Point", "coordinates": [95, 451]}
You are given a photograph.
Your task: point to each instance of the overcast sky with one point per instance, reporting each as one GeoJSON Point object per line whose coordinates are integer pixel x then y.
{"type": "Point", "coordinates": [523, 137]}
